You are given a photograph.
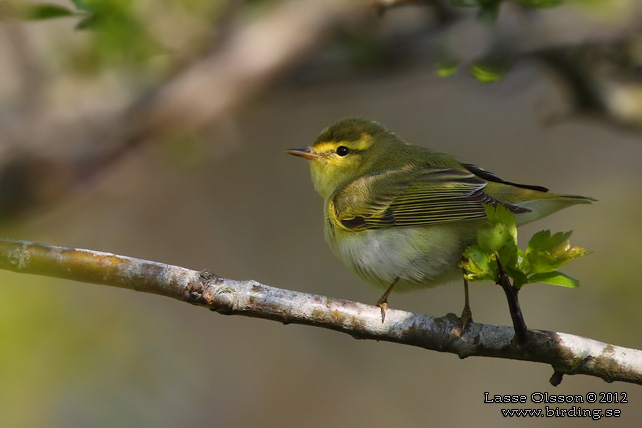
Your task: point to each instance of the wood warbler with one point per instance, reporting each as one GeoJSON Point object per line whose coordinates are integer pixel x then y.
{"type": "Point", "coordinates": [400, 216]}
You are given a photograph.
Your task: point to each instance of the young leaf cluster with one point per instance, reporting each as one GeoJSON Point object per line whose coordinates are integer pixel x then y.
{"type": "Point", "coordinates": [495, 65]}
{"type": "Point", "coordinates": [497, 241]}
{"type": "Point", "coordinates": [119, 34]}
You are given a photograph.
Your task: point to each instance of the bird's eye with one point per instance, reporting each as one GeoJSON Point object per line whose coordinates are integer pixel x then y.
{"type": "Point", "coordinates": [342, 150]}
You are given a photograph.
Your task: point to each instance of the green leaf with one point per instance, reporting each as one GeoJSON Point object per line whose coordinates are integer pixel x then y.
{"type": "Point", "coordinates": [478, 264]}
{"type": "Point", "coordinates": [517, 275]}
{"type": "Point", "coordinates": [445, 69]}
{"type": "Point", "coordinates": [555, 278]}
{"type": "Point", "coordinates": [543, 240]}
{"type": "Point", "coordinates": [492, 237]}
{"type": "Point", "coordinates": [508, 255]}
{"type": "Point", "coordinates": [40, 11]}
{"type": "Point", "coordinates": [119, 35]}
{"type": "Point", "coordinates": [501, 214]}
{"type": "Point", "coordinates": [546, 252]}
{"type": "Point", "coordinates": [497, 242]}
{"type": "Point", "coordinates": [83, 5]}
{"type": "Point", "coordinates": [499, 231]}
{"type": "Point", "coordinates": [87, 23]}
{"type": "Point", "coordinates": [486, 73]}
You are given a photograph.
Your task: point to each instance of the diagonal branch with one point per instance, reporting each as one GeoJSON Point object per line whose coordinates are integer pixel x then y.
{"type": "Point", "coordinates": [566, 353]}
{"type": "Point", "coordinates": [201, 90]}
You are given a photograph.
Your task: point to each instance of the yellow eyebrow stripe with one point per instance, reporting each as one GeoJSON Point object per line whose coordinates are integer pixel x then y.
{"type": "Point", "coordinates": [363, 143]}
{"type": "Point", "coordinates": [326, 146]}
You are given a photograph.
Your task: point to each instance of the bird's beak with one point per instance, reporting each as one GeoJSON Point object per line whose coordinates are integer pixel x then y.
{"type": "Point", "coordinates": [307, 153]}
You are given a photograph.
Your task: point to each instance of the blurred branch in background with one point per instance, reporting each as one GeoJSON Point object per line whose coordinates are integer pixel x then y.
{"type": "Point", "coordinates": [603, 79]}
{"type": "Point", "coordinates": [567, 354]}
{"type": "Point", "coordinates": [131, 75]}
{"type": "Point", "coordinates": [199, 89]}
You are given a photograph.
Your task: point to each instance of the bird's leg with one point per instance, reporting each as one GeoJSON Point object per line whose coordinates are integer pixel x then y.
{"type": "Point", "coordinates": [383, 301]}
{"type": "Point", "coordinates": [466, 314]}
{"type": "Point", "coordinates": [519, 325]}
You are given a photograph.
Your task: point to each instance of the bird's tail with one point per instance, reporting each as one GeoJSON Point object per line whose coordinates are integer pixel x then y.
{"type": "Point", "coordinates": [546, 204]}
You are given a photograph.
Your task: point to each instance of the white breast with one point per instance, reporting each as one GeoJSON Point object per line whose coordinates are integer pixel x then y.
{"type": "Point", "coordinates": [420, 257]}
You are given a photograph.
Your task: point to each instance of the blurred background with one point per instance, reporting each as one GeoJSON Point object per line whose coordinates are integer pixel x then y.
{"type": "Point", "coordinates": [156, 129]}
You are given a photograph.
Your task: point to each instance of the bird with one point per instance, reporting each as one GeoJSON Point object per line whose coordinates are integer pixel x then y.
{"type": "Point", "coordinates": [399, 215]}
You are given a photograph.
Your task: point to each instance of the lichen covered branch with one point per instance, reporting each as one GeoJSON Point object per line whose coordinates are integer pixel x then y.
{"type": "Point", "coordinates": [567, 354]}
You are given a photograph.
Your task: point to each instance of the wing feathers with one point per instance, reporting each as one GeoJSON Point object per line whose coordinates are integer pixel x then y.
{"type": "Point", "coordinates": [411, 196]}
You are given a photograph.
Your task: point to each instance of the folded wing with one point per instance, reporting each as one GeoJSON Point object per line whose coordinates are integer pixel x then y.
{"type": "Point", "coordinates": [411, 196]}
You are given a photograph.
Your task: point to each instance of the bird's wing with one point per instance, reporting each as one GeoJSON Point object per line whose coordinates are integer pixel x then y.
{"type": "Point", "coordinates": [489, 176]}
{"type": "Point", "coordinates": [411, 196]}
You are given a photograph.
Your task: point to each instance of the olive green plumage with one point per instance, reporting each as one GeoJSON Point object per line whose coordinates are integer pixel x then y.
{"type": "Point", "coordinates": [399, 211]}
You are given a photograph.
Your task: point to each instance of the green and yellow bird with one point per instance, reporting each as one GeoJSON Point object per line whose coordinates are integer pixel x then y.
{"type": "Point", "coordinates": [400, 216]}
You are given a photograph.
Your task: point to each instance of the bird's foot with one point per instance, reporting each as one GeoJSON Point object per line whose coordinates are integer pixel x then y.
{"type": "Point", "coordinates": [383, 301]}
{"type": "Point", "coordinates": [383, 305]}
{"type": "Point", "coordinates": [466, 317]}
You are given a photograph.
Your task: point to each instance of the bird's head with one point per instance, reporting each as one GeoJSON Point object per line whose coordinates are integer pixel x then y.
{"type": "Point", "coordinates": [348, 149]}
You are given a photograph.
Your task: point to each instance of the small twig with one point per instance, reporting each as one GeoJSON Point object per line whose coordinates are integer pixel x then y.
{"type": "Point", "coordinates": [556, 378]}
{"type": "Point", "coordinates": [521, 331]}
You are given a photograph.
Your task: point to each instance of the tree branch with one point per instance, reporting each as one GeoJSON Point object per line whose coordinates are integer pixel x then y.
{"type": "Point", "coordinates": [566, 353]}
{"type": "Point", "coordinates": [201, 90]}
